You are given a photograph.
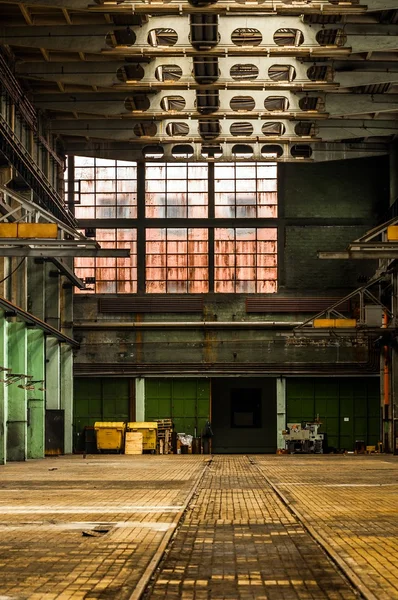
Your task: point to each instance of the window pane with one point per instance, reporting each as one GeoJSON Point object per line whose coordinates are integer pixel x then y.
{"type": "Point", "coordinates": [251, 185]}
{"type": "Point", "coordinates": [177, 186]}
{"type": "Point", "coordinates": [245, 260]}
{"type": "Point", "coordinates": [179, 263]}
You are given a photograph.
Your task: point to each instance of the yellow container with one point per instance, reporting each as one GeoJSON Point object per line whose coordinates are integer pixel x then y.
{"type": "Point", "coordinates": [110, 435]}
{"type": "Point", "coordinates": [149, 431]}
{"type": "Point", "coordinates": [392, 233]}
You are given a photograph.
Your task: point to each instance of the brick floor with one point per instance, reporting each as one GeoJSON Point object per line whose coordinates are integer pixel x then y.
{"type": "Point", "coordinates": [239, 541]}
{"type": "Point", "coordinates": [45, 506]}
{"type": "Point", "coordinates": [351, 502]}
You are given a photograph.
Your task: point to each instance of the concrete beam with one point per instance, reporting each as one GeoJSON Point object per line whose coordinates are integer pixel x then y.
{"type": "Point", "coordinates": [280, 410]}
{"type": "Point", "coordinates": [321, 152]}
{"type": "Point", "coordinates": [328, 130]}
{"type": "Point", "coordinates": [66, 358]}
{"type": "Point", "coordinates": [53, 373]}
{"type": "Point", "coordinates": [140, 398]}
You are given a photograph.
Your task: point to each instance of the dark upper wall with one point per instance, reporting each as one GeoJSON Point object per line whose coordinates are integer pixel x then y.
{"type": "Point", "coordinates": [326, 206]}
{"type": "Point", "coordinates": [341, 189]}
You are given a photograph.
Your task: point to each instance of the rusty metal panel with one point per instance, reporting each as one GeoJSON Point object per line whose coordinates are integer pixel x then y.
{"type": "Point", "coordinates": [293, 305]}
{"type": "Point", "coordinates": [278, 368]}
{"type": "Point", "coordinates": [151, 305]}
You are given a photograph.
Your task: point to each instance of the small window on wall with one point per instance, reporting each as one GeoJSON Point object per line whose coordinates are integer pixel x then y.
{"type": "Point", "coordinates": [246, 408]}
{"type": "Point", "coordinates": [245, 260]}
{"type": "Point", "coordinates": [110, 275]}
{"type": "Point", "coordinates": [245, 190]}
{"type": "Point", "coordinates": [177, 261]}
{"type": "Point", "coordinates": [104, 189]}
{"type": "Point", "coordinates": [176, 191]}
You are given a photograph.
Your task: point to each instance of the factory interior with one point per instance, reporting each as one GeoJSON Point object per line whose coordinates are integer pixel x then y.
{"type": "Point", "coordinates": [198, 312]}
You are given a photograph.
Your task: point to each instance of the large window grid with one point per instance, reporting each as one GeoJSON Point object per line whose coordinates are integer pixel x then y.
{"type": "Point", "coordinates": [245, 260]}
{"type": "Point", "coordinates": [104, 189]}
{"type": "Point", "coordinates": [177, 260]}
{"type": "Point", "coordinates": [245, 190]}
{"type": "Point", "coordinates": [111, 275]}
{"type": "Point", "coordinates": [230, 248]}
{"type": "Point", "coordinates": [176, 191]}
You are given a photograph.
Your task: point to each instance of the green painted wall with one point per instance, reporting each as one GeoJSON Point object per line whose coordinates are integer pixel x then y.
{"type": "Point", "coordinates": [98, 400]}
{"type": "Point", "coordinates": [3, 388]}
{"type": "Point", "coordinates": [348, 408]}
{"type": "Point", "coordinates": [36, 405]}
{"type": "Point", "coordinates": [17, 397]}
{"type": "Point", "coordinates": [186, 401]}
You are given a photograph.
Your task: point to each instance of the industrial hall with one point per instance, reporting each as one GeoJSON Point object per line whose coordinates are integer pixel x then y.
{"type": "Point", "coordinates": [198, 300]}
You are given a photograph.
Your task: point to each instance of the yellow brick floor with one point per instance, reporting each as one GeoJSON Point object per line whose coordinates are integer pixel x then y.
{"type": "Point", "coordinates": [45, 506]}
{"type": "Point", "coordinates": [351, 502]}
{"type": "Point", "coordinates": [238, 540]}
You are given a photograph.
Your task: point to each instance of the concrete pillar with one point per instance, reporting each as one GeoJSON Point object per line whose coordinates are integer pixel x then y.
{"type": "Point", "coordinates": [17, 397]}
{"type": "Point", "coordinates": [53, 373]}
{"type": "Point", "coordinates": [280, 410]}
{"type": "Point", "coordinates": [140, 399]}
{"type": "Point", "coordinates": [36, 397]}
{"type": "Point", "coordinates": [52, 283]}
{"type": "Point", "coordinates": [36, 288]}
{"type": "Point", "coordinates": [67, 394]}
{"type": "Point", "coordinates": [3, 388]}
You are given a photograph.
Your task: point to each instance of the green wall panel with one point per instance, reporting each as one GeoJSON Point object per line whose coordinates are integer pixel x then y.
{"type": "Point", "coordinates": [186, 401]}
{"type": "Point", "coordinates": [349, 409]}
{"type": "Point", "coordinates": [98, 400]}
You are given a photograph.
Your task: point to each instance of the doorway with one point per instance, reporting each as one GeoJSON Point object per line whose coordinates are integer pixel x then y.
{"type": "Point", "coordinates": [244, 415]}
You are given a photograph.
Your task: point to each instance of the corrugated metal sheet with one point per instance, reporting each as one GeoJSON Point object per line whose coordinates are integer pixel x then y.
{"type": "Point", "coordinates": [150, 305]}
{"type": "Point", "coordinates": [179, 369]}
{"type": "Point", "coordinates": [293, 305]}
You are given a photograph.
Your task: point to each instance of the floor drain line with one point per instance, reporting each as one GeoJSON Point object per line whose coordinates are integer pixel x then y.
{"type": "Point", "coordinates": [342, 566]}
{"type": "Point", "coordinates": [157, 557]}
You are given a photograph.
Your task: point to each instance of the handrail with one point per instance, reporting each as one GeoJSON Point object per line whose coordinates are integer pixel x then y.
{"type": "Point", "coordinates": [23, 105]}
{"type": "Point", "coordinates": [54, 201]}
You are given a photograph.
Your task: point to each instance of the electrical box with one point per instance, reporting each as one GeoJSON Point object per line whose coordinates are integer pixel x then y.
{"type": "Point", "coordinates": [373, 315]}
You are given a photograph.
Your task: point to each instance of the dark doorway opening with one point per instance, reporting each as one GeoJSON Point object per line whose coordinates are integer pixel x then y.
{"type": "Point", "coordinates": [244, 415]}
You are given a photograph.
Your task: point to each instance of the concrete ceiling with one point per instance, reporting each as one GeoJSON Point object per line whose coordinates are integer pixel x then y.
{"type": "Point", "coordinates": [299, 79]}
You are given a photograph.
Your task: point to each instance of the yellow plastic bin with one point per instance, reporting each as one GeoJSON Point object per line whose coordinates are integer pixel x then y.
{"type": "Point", "coordinates": [110, 436]}
{"type": "Point", "coordinates": [149, 432]}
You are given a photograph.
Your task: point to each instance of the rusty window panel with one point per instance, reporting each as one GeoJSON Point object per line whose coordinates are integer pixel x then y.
{"type": "Point", "coordinates": [176, 191]}
{"type": "Point", "coordinates": [245, 260]}
{"type": "Point", "coordinates": [246, 190]}
{"type": "Point", "coordinates": [177, 260]}
{"type": "Point", "coordinates": [112, 275]}
{"type": "Point", "coordinates": [105, 189]}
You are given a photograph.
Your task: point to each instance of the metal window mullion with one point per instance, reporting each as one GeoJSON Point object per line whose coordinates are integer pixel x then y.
{"type": "Point", "coordinates": [210, 230]}
{"type": "Point", "coordinates": [141, 238]}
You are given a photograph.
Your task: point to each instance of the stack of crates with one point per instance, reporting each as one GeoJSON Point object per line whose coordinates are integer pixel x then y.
{"type": "Point", "coordinates": [149, 432]}
{"type": "Point", "coordinates": [165, 429]}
